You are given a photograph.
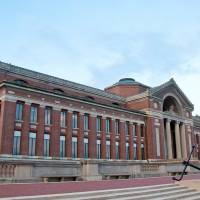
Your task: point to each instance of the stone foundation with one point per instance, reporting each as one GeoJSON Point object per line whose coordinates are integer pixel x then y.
{"type": "Point", "coordinates": [47, 170]}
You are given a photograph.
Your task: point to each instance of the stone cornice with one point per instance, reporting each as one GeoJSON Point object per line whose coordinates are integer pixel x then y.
{"type": "Point", "coordinates": [138, 96]}
{"type": "Point", "coordinates": [162, 115]}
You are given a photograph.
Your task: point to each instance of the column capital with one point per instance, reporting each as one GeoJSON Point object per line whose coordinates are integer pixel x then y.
{"type": "Point", "coordinates": [93, 115]}
{"type": "Point", "coordinates": [178, 122]}
{"type": "Point", "coordinates": [168, 120]}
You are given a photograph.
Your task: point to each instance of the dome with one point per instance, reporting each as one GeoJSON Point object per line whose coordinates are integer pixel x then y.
{"type": "Point", "coordinates": [127, 80]}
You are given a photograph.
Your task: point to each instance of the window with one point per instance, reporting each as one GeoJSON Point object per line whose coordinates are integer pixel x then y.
{"type": "Point", "coordinates": [135, 151]}
{"type": "Point", "coordinates": [90, 98]}
{"type": "Point", "coordinates": [33, 114]}
{"type": "Point", "coordinates": [74, 147]}
{"type": "Point", "coordinates": [107, 125]}
{"type": "Point", "coordinates": [46, 144]}
{"type": "Point", "coordinates": [58, 91]}
{"type": "Point", "coordinates": [21, 82]}
{"type": "Point", "coordinates": [85, 148]}
{"type": "Point", "coordinates": [116, 126]}
{"type": "Point", "coordinates": [48, 111]}
{"type": "Point", "coordinates": [157, 141]}
{"type": "Point", "coordinates": [62, 146]}
{"type": "Point", "coordinates": [19, 110]}
{"type": "Point", "coordinates": [107, 149]}
{"type": "Point", "coordinates": [98, 149]}
{"type": "Point", "coordinates": [142, 151]}
{"type": "Point", "coordinates": [63, 116]}
{"type": "Point", "coordinates": [117, 149]}
{"type": "Point", "coordinates": [127, 151]}
{"type": "Point", "coordinates": [32, 141]}
{"type": "Point", "coordinates": [16, 143]}
{"type": "Point", "coordinates": [75, 120]}
{"type": "Point", "coordinates": [134, 130]}
{"type": "Point", "coordinates": [127, 128]}
{"type": "Point", "coordinates": [115, 104]}
{"type": "Point", "coordinates": [98, 123]}
{"type": "Point", "coordinates": [86, 122]}
{"type": "Point", "coordinates": [142, 130]}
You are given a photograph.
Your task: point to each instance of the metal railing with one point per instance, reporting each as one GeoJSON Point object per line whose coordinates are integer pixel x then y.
{"type": "Point", "coordinates": [186, 164]}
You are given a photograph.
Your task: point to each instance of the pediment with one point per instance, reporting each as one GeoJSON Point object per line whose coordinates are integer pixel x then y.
{"type": "Point", "coordinates": [171, 88]}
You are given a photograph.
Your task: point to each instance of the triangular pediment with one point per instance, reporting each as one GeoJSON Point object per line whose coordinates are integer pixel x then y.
{"type": "Point", "coordinates": [171, 87]}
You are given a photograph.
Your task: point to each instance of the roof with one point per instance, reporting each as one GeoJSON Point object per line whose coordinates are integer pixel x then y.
{"type": "Point", "coordinates": [155, 90]}
{"type": "Point", "coordinates": [62, 82]}
{"type": "Point", "coordinates": [196, 120]}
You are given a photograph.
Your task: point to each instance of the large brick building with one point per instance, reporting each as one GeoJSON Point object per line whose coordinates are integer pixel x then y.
{"type": "Point", "coordinates": [54, 129]}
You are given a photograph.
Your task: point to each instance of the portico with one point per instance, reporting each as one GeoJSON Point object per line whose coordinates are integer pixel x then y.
{"type": "Point", "coordinates": [175, 139]}
{"type": "Point", "coordinates": [174, 126]}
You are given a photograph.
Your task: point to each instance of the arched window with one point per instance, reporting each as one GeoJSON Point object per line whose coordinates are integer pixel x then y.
{"type": "Point", "coordinates": [115, 104]}
{"type": "Point", "coordinates": [58, 91]}
{"type": "Point", "coordinates": [90, 98]}
{"type": "Point", "coordinates": [21, 82]}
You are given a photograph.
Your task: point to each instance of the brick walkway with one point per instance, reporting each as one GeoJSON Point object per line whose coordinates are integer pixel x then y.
{"type": "Point", "coordinates": [29, 189]}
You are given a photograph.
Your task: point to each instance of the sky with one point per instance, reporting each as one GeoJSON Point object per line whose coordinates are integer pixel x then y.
{"type": "Point", "coordinates": [98, 42]}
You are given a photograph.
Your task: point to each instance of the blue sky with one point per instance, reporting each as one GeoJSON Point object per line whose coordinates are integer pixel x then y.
{"type": "Point", "coordinates": [97, 42]}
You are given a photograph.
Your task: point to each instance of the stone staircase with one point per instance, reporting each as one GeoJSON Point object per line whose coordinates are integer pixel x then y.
{"type": "Point", "coordinates": [156, 192]}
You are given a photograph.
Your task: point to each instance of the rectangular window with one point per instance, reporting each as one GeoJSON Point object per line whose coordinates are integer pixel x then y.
{"type": "Point", "coordinates": [85, 148]}
{"type": "Point", "coordinates": [157, 141]}
{"type": "Point", "coordinates": [142, 151]}
{"type": "Point", "coordinates": [134, 130]}
{"type": "Point", "coordinates": [16, 142]}
{"type": "Point", "coordinates": [98, 123]}
{"type": "Point", "coordinates": [127, 151]}
{"type": "Point", "coordinates": [135, 151]}
{"type": "Point", "coordinates": [86, 122]}
{"type": "Point", "coordinates": [117, 126]}
{"type": "Point", "coordinates": [63, 116]}
{"type": "Point", "coordinates": [98, 149]}
{"type": "Point", "coordinates": [142, 130]}
{"type": "Point", "coordinates": [48, 111]}
{"type": "Point", "coordinates": [19, 111]}
{"type": "Point", "coordinates": [107, 149]}
{"type": "Point", "coordinates": [62, 146]}
{"type": "Point", "coordinates": [46, 144]}
{"type": "Point", "coordinates": [127, 128]}
{"type": "Point", "coordinates": [33, 114]}
{"type": "Point", "coordinates": [75, 120]}
{"type": "Point", "coordinates": [107, 125]}
{"type": "Point", "coordinates": [74, 147]}
{"type": "Point", "coordinates": [32, 142]}
{"type": "Point", "coordinates": [117, 149]}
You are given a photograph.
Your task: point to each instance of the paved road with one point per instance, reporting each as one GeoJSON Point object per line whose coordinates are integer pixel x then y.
{"type": "Point", "coordinates": [22, 189]}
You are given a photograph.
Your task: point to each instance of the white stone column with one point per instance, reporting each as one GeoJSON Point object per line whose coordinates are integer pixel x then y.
{"type": "Point", "coordinates": [183, 142]}
{"type": "Point", "coordinates": [169, 140]}
{"type": "Point", "coordinates": [178, 144]}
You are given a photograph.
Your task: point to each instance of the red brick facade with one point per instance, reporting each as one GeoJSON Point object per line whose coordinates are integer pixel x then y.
{"type": "Point", "coordinates": [129, 102]}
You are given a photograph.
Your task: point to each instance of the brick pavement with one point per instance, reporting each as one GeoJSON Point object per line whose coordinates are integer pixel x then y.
{"type": "Point", "coordinates": [29, 189]}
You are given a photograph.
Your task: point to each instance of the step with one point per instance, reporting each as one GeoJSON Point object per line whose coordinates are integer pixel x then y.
{"type": "Point", "coordinates": [136, 194]}
{"type": "Point", "coordinates": [190, 195]}
{"type": "Point", "coordinates": [158, 196]}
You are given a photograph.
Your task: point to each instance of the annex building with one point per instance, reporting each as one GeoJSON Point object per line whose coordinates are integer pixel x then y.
{"type": "Point", "coordinates": [55, 130]}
